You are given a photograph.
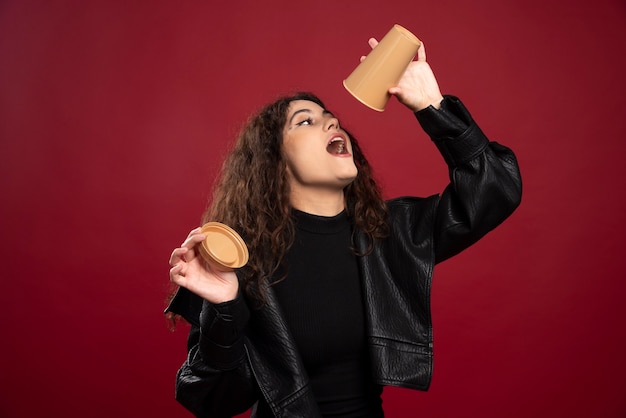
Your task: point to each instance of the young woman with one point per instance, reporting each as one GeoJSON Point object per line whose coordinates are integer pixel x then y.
{"type": "Point", "coordinates": [334, 301]}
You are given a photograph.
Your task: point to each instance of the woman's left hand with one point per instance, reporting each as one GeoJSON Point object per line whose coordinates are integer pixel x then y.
{"type": "Point", "coordinates": [417, 88]}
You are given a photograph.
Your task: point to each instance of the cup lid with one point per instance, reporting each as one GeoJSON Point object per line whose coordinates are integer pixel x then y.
{"type": "Point", "coordinates": [223, 246]}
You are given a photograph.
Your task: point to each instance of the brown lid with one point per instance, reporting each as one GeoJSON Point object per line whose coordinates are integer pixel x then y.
{"type": "Point", "coordinates": [223, 247]}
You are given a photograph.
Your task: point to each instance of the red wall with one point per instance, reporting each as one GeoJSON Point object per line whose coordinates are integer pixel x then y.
{"type": "Point", "coordinates": [115, 114]}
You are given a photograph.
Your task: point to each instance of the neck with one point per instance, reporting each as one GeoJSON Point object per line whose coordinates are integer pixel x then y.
{"type": "Point", "coordinates": [320, 202]}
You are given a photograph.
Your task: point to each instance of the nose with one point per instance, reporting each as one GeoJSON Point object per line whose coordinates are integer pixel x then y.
{"type": "Point", "coordinates": [331, 123]}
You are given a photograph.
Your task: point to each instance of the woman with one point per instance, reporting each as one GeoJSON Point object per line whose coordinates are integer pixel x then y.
{"type": "Point", "coordinates": [334, 302]}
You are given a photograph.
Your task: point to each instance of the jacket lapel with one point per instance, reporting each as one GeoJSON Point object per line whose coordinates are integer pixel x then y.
{"type": "Point", "coordinates": [276, 364]}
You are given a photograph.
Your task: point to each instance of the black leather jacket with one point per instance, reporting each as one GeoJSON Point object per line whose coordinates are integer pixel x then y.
{"type": "Point", "coordinates": [237, 360]}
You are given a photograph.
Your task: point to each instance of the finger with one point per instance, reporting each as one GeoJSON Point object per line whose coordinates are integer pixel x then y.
{"type": "Point", "coordinates": [176, 274]}
{"type": "Point", "coordinates": [362, 58]}
{"type": "Point", "coordinates": [176, 269]}
{"type": "Point", "coordinates": [193, 232]}
{"type": "Point", "coordinates": [178, 255]}
{"type": "Point", "coordinates": [421, 53]}
{"type": "Point", "coordinates": [193, 239]}
{"type": "Point", "coordinates": [372, 42]}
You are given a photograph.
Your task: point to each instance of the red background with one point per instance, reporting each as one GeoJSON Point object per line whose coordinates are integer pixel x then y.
{"type": "Point", "coordinates": [114, 116]}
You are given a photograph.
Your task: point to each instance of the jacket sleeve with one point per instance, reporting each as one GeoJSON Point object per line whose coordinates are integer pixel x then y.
{"type": "Point", "coordinates": [485, 183]}
{"type": "Point", "coordinates": [215, 380]}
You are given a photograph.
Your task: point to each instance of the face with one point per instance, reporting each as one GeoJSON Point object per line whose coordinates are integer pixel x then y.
{"type": "Point", "coordinates": [317, 150]}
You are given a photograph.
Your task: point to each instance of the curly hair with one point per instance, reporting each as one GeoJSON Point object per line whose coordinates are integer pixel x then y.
{"type": "Point", "coordinates": [252, 196]}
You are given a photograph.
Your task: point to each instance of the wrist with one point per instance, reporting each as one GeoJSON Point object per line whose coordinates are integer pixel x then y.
{"type": "Point", "coordinates": [229, 294]}
{"type": "Point", "coordinates": [434, 102]}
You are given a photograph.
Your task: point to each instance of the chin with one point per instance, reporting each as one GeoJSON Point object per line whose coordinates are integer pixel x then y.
{"type": "Point", "coordinates": [348, 180]}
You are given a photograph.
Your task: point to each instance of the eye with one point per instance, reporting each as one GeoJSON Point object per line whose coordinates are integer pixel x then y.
{"type": "Point", "coordinates": [307, 121]}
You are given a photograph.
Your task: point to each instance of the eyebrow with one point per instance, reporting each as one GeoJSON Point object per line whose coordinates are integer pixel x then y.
{"type": "Point", "coordinates": [324, 112]}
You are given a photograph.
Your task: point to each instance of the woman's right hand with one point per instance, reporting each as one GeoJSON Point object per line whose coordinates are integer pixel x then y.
{"type": "Point", "coordinates": [189, 270]}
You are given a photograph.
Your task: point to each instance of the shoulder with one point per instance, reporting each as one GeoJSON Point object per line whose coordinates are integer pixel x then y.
{"type": "Point", "coordinates": [410, 211]}
{"type": "Point", "coordinates": [411, 203]}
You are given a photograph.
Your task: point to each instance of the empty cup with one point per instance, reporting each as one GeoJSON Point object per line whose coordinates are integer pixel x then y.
{"type": "Point", "coordinates": [382, 68]}
{"type": "Point", "coordinates": [223, 248]}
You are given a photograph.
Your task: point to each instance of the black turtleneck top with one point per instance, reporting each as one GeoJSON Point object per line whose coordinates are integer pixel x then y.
{"type": "Point", "coordinates": [323, 305]}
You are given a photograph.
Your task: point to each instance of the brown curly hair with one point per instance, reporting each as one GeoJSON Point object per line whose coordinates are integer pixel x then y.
{"type": "Point", "coordinates": [252, 196]}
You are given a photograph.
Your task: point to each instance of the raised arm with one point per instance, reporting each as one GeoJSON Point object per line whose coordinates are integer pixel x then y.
{"type": "Point", "coordinates": [485, 183]}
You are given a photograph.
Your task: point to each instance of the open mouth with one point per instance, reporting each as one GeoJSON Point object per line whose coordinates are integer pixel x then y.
{"type": "Point", "coordinates": [337, 146]}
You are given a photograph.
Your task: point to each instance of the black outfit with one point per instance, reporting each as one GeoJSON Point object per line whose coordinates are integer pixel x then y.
{"type": "Point", "coordinates": [238, 359]}
{"type": "Point", "coordinates": [323, 307]}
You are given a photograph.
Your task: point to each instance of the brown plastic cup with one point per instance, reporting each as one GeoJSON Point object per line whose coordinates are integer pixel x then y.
{"type": "Point", "coordinates": [382, 68]}
{"type": "Point", "coordinates": [223, 248]}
